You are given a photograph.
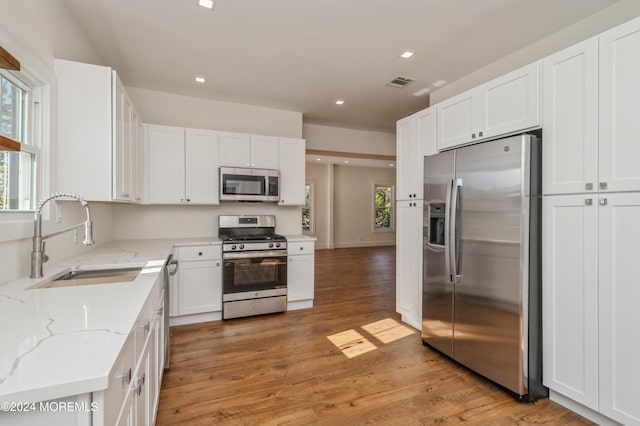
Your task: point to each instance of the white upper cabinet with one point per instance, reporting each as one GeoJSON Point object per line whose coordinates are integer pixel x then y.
{"type": "Point", "coordinates": [292, 171]}
{"type": "Point", "coordinates": [510, 103]}
{"type": "Point", "coordinates": [457, 120]}
{"type": "Point", "coordinates": [201, 167]}
{"type": "Point", "coordinates": [506, 105]}
{"type": "Point", "coordinates": [570, 130]}
{"type": "Point", "coordinates": [245, 150]}
{"type": "Point", "coordinates": [97, 138]}
{"type": "Point", "coordinates": [182, 165]}
{"type": "Point", "coordinates": [415, 138]}
{"type": "Point", "coordinates": [165, 151]}
{"type": "Point", "coordinates": [619, 136]}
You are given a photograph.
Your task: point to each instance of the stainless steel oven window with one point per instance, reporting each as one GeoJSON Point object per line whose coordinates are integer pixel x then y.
{"type": "Point", "coordinates": [253, 274]}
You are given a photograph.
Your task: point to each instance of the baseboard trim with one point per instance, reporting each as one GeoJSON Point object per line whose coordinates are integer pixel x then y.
{"type": "Point", "coordinates": [364, 244]}
{"type": "Point", "coordinates": [580, 409]}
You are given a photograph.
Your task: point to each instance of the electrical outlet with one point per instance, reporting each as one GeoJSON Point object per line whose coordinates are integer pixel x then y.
{"type": "Point", "coordinates": [75, 236]}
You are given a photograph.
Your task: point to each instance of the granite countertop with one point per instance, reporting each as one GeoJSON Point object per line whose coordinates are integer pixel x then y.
{"type": "Point", "coordinates": [58, 342]}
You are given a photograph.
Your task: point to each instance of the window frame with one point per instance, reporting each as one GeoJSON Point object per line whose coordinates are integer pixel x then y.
{"type": "Point", "coordinates": [18, 224]}
{"type": "Point", "coordinates": [392, 208]}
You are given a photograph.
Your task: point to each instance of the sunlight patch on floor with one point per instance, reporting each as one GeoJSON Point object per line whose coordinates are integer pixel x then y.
{"type": "Point", "coordinates": [387, 330]}
{"type": "Point", "coordinates": [352, 343]}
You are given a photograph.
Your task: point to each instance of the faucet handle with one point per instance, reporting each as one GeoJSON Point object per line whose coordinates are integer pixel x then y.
{"type": "Point", "coordinates": [45, 258]}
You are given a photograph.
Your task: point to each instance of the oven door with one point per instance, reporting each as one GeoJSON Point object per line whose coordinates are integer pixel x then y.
{"type": "Point", "coordinates": [257, 274]}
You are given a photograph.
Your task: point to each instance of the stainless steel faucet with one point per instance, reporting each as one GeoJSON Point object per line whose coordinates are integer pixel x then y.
{"type": "Point", "coordinates": [37, 254]}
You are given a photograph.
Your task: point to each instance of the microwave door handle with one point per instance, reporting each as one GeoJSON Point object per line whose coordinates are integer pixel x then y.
{"type": "Point", "coordinates": [447, 232]}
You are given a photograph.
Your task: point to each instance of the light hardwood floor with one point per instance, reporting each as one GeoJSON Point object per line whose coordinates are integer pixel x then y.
{"type": "Point", "coordinates": [283, 369]}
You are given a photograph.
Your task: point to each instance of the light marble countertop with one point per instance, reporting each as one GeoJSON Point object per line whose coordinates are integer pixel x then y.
{"type": "Point", "coordinates": [58, 342]}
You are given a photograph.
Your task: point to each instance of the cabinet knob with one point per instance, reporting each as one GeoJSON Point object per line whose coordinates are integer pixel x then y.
{"type": "Point", "coordinates": [588, 202]}
{"type": "Point", "coordinates": [480, 134]}
{"type": "Point", "coordinates": [188, 200]}
{"type": "Point", "coordinates": [603, 201]}
{"type": "Point", "coordinates": [473, 135]}
{"type": "Point", "coordinates": [147, 326]}
{"type": "Point", "coordinates": [301, 248]}
{"type": "Point", "coordinates": [217, 263]}
{"type": "Point", "coordinates": [603, 185]}
{"type": "Point", "coordinates": [160, 310]}
{"type": "Point", "coordinates": [199, 253]}
{"type": "Point", "coordinates": [588, 186]}
{"type": "Point", "coordinates": [126, 377]}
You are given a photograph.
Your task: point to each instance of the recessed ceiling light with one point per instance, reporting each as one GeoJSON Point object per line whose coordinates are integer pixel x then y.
{"type": "Point", "coordinates": [407, 54]}
{"type": "Point", "coordinates": [206, 3]}
{"type": "Point", "coordinates": [439, 83]}
{"type": "Point", "coordinates": [200, 79]}
{"type": "Point", "coordinates": [339, 102]}
{"type": "Point", "coordinates": [318, 159]}
{"type": "Point", "coordinates": [346, 161]}
{"type": "Point", "coordinates": [391, 165]}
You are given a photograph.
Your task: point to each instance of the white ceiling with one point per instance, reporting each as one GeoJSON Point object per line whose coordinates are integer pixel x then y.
{"type": "Point", "coordinates": [302, 55]}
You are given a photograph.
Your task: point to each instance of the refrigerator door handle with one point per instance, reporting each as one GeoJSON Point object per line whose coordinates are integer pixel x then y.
{"type": "Point", "coordinates": [453, 247]}
{"type": "Point", "coordinates": [447, 233]}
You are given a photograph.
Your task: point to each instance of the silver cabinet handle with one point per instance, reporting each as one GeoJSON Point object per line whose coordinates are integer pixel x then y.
{"type": "Point", "coordinates": [603, 201]}
{"type": "Point", "coordinates": [473, 135]}
{"type": "Point", "coordinates": [480, 134]}
{"type": "Point", "coordinates": [160, 311]}
{"type": "Point", "coordinates": [126, 377]}
{"type": "Point", "coordinates": [588, 202]}
{"type": "Point", "coordinates": [603, 185]}
{"type": "Point", "coordinates": [588, 186]}
{"type": "Point", "coordinates": [147, 326]}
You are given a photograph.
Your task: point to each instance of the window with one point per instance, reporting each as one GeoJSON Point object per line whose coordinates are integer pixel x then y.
{"type": "Point", "coordinates": [383, 205]}
{"type": "Point", "coordinates": [307, 209]}
{"type": "Point", "coordinates": [19, 115]}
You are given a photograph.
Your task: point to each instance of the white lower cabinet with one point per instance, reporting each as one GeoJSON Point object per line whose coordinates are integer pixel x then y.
{"type": "Point", "coordinates": [590, 294]}
{"type": "Point", "coordinates": [197, 286]}
{"type": "Point", "coordinates": [300, 274]}
{"type": "Point", "coordinates": [409, 262]}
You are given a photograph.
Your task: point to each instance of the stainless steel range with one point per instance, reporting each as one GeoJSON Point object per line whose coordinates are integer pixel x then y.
{"type": "Point", "coordinates": [255, 266]}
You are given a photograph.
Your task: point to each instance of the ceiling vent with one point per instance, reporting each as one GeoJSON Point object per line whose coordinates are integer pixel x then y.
{"type": "Point", "coordinates": [400, 81]}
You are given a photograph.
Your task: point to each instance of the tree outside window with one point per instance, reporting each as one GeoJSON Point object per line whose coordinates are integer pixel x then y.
{"type": "Point", "coordinates": [383, 194]}
{"type": "Point", "coordinates": [307, 209]}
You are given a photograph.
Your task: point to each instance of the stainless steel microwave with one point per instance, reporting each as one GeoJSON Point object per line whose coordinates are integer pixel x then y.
{"type": "Point", "coordinates": [244, 184]}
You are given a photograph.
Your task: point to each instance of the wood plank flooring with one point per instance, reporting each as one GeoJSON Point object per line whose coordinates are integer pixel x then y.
{"type": "Point", "coordinates": [282, 369]}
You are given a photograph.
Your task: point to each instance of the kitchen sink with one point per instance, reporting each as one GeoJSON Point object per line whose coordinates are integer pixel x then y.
{"type": "Point", "coordinates": [88, 276]}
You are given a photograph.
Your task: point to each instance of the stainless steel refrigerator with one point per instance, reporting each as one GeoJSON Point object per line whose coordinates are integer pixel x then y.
{"type": "Point", "coordinates": [481, 278]}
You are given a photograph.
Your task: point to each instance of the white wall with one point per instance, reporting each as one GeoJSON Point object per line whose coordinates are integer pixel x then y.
{"type": "Point", "coordinates": [175, 110]}
{"type": "Point", "coordinates": [327, 138]}
{"type": "Point", "coordinates": [36, 32]}
{"type": "Point", "coordinates": [593, 25]}
{"type": "Point", "coordinates": [353, 204]}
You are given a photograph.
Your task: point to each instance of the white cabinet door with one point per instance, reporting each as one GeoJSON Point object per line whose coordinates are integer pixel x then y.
{"type": "Point", "coordinates": [570, 130]}
{"type": "Point", "coordinates": [199, 287]}
{"type": "Point", "coordinates": [122, 109]}
{"type": "Point", "coordinates": [136, 164]}
{"type": "Point", "coordinates": [457, 120]}
{"type": "Point", "coordinates": [407, 153]}
{"type": "Point", "coordinates": [201, 167]}
{"type": "Point", "coordinates": [166, 164]}
{"type": "Point", "coordinates": [619, 147]}
{"type": "Point", "coordinates": [265, 152]}
{"type": "Point", "coordinates": [570, 296]}
{"type": "Point", "coordinates": [619, 290]}
{"type": "Point", "coordinates": [409, 262]}
{"type": "Point", "coordinates": [84, 143]}
{"type": "Point", "coordinates": [292, 171]}
{"type": "Point", "coordinates": [426, 133]}
{"type": "Point", "coordinates": [235, 149]}
{"type": "Point", "coordinates": [300, 278]}
{"type": "Point", "coordinates": [510, 103]}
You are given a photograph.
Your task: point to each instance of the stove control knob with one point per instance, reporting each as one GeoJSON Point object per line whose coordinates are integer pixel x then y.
{"type": "Point", "coordinates": [233, 247]}
{"type": "Point", "coordinates": [270, 245]}
{"type": "Point", "coordinates": [241, 246]}
{"type": "Point", "coordinates": [277, 244]}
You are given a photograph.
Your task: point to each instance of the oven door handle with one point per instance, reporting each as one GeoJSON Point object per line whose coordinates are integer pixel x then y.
{"type": "Point", "coordinates": [254, 254]}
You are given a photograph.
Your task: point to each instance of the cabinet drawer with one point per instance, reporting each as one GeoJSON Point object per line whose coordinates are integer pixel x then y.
{"type": "Point", "coordinates": [299, 247]}
{"type": "Point", "coordinates": [199, 253]}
